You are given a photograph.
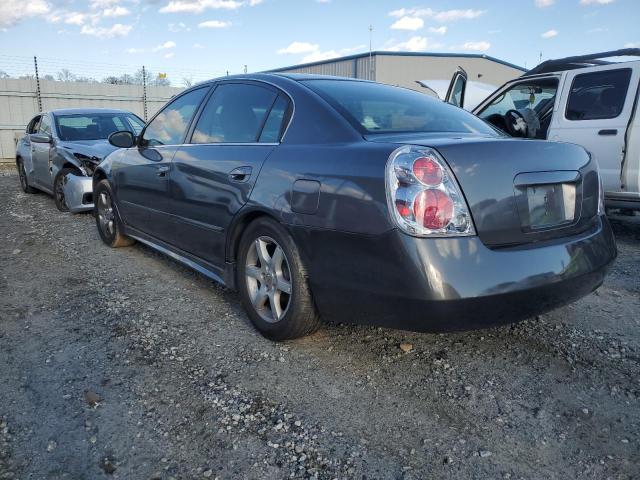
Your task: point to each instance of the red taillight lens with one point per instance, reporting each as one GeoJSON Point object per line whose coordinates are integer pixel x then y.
{"type": "Point", "coordinates": [433, 209]}
{"type": "Point", "coordinates": [427, 171]}
{"type": "Point", "coordinates": [403, 208]}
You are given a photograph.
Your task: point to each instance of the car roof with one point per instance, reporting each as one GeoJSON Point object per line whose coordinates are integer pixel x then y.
{"type": "Point", "coordinates": [85, 111]}
{"type": "Point", "coordinates": [581, 61]}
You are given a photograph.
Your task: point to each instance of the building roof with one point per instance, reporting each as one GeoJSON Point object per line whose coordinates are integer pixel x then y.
{"type": "Point", "coordinates": [398, 54]}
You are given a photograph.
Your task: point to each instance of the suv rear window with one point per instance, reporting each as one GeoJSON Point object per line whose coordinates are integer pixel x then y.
{"type": "Point", "coordinates": [598, 95]}
{"type": "Point", "coordinates": [378, 108]}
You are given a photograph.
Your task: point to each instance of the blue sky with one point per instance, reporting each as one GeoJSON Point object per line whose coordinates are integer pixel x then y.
{"type": "Point", "coordinates": [204, 38]}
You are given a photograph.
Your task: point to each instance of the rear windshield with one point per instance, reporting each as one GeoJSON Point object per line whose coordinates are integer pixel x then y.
{"type": "Point", "coordinates": [378, 108]}
{"type": "Point", "coordinates": [95, 126]}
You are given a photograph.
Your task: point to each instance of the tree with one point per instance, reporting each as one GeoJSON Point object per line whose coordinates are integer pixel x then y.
{"type": "Point", "coordinates": [138, 77]}
{"type": "Point", "coordinates": [65, 75]}
{"type": "Point", "coordinates": [4, 74]}
{"type": "Point", "coordinates": [187, 82]}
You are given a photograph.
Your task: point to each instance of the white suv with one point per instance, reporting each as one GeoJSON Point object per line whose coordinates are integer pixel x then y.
{"type": "Point", "coordinates": [583, 100]}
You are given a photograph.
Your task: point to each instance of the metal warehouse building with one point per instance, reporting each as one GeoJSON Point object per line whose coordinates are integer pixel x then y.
{"type": "Point", "coordinates": [405, 68]}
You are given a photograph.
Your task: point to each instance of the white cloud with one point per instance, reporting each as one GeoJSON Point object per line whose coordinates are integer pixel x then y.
{"type": "Point", "coordinates": [178, 27]}
{"type": "Point", "coordinates": [134, 50]}
{"type": "Point", "coordinates": [440, 16]}
{"type": "Point", "coordinates": [414, 44]}
{"type": "Point", "coordinates": [318, 55]}
{"type": "Point", "coordinates": [169, 55]}
{"type": "Point", "coordinates": [165, 46]}
{"type": "Point", "coordinates": [596, 2]}
{"type": "Point", "coordinates": [214, 24]}
{"type": "Point", "coordinates": [544, 3]}
{"type": "Point", "coordinates": [299, 47]}
{"type": "Point", "coordinates": [116, 11]}
{"type": "Point", "coordinates": [100, 4]}
{"type": "Point", "coordinates": [632, 45]}
{"type": "Point", "coordinates": [253, 3]}
{"type": "Point", "coordinates": [481, 46]}
{"type": "Point", "coordinates": [198, 46]}
{"type": "Point", "coordinates": [438, 30]}
{"type": "Point", "coordinates": [14, 11]}
{"type": "Point", "coordinates": [199, 6]}
{"type": "Point", "coordinates": [75, 18]}
{"type": "Point", "coordinates": [116, 30]}
{"type": "Point", "coordinates": [549, 34]}
{"type": "Point", "coordinates": [408, 23]}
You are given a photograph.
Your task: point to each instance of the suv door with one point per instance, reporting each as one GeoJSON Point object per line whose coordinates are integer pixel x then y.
{"type": "Point", "coordinates": [594, 111]}
{"type": "Point", "coordinates": [213, 174]}
{"type": "Point", "coordinates": [40, 155]}
{"type": "Point", "coordinates": [457, 88]}
{"type": "Point", "coordinates": [141, 173]}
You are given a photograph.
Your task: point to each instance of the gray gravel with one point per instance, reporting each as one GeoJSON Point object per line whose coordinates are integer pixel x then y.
{"type": "Point", "coordinates": [124, 364]}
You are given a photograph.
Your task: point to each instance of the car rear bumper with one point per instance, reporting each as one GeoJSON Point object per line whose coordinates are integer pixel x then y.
{"type": "Point", "coordinates": [448, 284]}
{"type": "Point", "coordinates": [78, 193]}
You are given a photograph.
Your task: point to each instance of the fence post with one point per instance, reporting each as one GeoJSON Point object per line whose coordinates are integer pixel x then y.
{"type": "Point", "coordinates": [144, 92]}
{"type": "Point", "coordinates": [38, 95]}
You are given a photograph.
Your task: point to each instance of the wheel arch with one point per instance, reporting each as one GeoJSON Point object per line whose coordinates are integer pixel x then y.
{"type": "Point", "coordinates": [238, 226]}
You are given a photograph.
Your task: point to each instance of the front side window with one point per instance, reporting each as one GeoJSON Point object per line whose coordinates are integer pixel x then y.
{"type": "Point", "coordinates": [537, 95]}
{"type": "Point", "coordinates": [377, 108]}
{"type": "Point", "coordinates": [45, 125]}
{"type": "Point", "coordinates": [95, 126]}
{"type": "Point", "coordinates": [234, 114]}
{"type": "Point", "coordinates": [458, 91]}
{"type": "Point", "coordinates": [170, 125]}
{"type": "Point", "coordinates": [598, 95]}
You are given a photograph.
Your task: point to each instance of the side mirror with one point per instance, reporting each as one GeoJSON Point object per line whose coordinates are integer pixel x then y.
{"type": "Point", "coordinates": [123, 139]}
{"type": "Point", "coordinates": [40, 138]}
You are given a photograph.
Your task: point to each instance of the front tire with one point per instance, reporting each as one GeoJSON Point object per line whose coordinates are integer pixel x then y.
{"type": "Point", "coordinates": [24, 180]}
{"type": "Point", "coordinates": [58, 188]}
{"type": "Point", "coordinates": [273, 283]}
{"type": "Point", "coordinates": [108, 221]}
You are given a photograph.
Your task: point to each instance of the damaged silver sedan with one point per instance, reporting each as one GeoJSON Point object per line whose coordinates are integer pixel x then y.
{"type": "Point", "coordinates": [61, 148]}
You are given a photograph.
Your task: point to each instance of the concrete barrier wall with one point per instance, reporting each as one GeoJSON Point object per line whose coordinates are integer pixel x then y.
{"type": "Point", "coordinates": [19, 103]}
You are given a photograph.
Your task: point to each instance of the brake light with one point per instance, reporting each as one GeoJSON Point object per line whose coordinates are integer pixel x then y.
{"type": "Point", "coordinates": [423, 195]}
{"type": "Point", "coordinates": [427, 171]}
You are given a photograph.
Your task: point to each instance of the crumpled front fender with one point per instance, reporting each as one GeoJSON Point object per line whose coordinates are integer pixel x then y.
{"type": "Point", "coordinates": [78, 193]}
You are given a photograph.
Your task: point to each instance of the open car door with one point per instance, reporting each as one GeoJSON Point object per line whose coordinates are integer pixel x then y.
{"type": "Point", "coordinates": [457, 88]}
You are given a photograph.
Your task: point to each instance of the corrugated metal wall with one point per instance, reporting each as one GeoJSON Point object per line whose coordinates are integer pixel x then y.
{"type": "Point", "coordinates": [18, 103]}
{"type": "Point", "coordinates": [352, 68]}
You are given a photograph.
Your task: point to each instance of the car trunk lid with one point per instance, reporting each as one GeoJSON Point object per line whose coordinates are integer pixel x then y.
{"type": "Point", "coordinates": [521, 191]}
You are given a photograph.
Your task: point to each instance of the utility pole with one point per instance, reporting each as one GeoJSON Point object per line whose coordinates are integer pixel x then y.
{"type": "Point", "coordinates": [371, 52]}
{"type": "Point", "coordinates": [144, 92]}
{"type": "Point", "coordinates": [38, 93]}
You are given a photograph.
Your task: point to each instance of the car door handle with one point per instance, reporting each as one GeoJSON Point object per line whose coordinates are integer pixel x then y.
{"type": "Point", "coordinates": [162, 171]}
{"type": "Point", "coordinates": [612, 131]}
{"type": "Point", "coordinates": [240, 174]}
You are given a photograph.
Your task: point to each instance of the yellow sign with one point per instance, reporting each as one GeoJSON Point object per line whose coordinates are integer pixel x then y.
{"type": "Point", "coordinates": [162, 75]}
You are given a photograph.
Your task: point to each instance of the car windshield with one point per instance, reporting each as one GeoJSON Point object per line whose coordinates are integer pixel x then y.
{"type": "Point", "coordinates": [96, 126]}
{"type": "Point", "coordinates": [378, 108]}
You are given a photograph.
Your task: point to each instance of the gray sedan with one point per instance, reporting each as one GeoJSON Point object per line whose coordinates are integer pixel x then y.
{"type": "Point", "coordinates": [61, 148]}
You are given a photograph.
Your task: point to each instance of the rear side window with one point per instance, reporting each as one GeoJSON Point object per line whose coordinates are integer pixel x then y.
{"type": "Point", "coordinates": [378, 108]}
{"type": "Point", "coordinates": [45, 125]}
{"type": "Point", "coordinates": [235, 113]}
{"type": "Point", "coordinates": [598, 95]}
{"type": "Point", "coordinates": [170, 125]}
{"type": "Point", "coordinates": [276, 121]}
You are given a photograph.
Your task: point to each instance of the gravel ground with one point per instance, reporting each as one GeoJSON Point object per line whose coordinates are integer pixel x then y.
{"type": "Point", "coordinates": [124, 364]}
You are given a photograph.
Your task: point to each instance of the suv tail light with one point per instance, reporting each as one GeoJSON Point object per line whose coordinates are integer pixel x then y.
{"type": "Point", "coordinates": [423, 196]}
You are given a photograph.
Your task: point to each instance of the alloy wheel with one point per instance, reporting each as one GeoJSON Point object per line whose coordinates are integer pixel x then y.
{"type": "Point", "coordinates": [106, 214]}
{"type": "Point", "coordinates": [268, 279]}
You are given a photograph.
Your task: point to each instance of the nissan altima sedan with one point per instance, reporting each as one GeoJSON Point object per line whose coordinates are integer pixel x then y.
{"type": "Point", "coordinates": [358, 202]}
{"type": "Point", "coordinates": [61, 148]}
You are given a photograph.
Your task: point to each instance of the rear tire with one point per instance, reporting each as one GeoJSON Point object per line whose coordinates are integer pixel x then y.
{"type": "Point", "coordinates": [108, 221]}
{"type": "Point", "coordinates": [273, 283]}
{"type": "Point", "coordinates": [24, 180]}
{"type": "Point", "coordinates": [58, 190]}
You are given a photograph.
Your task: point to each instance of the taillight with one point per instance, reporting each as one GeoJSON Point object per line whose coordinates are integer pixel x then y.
{"type": "Point", "coordinates": [423, 195]}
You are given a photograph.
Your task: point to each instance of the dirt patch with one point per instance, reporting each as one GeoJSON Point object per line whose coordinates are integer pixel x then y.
{"type": "Point", "coordinates": [183, 387]}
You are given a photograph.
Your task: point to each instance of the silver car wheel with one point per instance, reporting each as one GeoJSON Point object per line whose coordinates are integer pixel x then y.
{"type": "Point", "coordinates": [268, 279]}
{"type": "Point", "coordinates": [105, 214]}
